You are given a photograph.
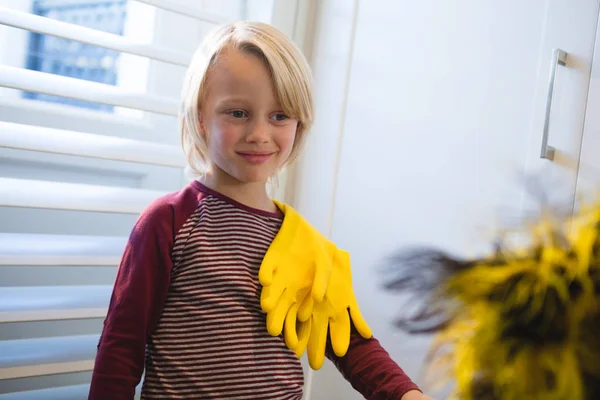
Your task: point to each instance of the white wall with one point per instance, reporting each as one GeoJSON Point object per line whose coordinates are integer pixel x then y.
{"type": "Point", "coordinates": [433, 108]}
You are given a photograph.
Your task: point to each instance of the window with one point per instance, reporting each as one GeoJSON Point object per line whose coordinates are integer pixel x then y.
{"type": "Point", "coordinates": [73, 59]}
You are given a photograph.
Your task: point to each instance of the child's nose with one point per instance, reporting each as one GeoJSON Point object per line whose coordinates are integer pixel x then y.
{"type": "Point", "coordinates": [258, 133]}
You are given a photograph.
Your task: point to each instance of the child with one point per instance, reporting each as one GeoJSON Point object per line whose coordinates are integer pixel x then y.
{"type": "Point", "coordinates": [186, 301]}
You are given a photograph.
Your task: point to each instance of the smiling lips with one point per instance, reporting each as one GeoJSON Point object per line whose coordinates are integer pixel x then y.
{"type": "Point", "coordinates": [255, 157]}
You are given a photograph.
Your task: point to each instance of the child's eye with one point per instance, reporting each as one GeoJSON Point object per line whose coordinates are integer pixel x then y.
{"type": "Point", "coordinates": [238, 114]}
{"type": "Point", "coordinates": [279, 117]}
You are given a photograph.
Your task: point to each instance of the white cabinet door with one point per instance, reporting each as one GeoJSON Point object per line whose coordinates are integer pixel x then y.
{"type": "Point", "coordinates": [559, 112]}
{"type": "Point", "coordinates": [439, 122]}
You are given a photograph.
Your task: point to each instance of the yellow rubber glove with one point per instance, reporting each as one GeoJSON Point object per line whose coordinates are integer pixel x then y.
{"type": "Point", "coordinates": [297, 333]}
{"type": "Point", "coordinates": [294, 273]}
{"type": "Point", "coordinates": [334, 313]}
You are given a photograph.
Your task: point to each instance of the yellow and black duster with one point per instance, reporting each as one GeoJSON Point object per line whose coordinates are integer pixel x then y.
{"type": "Point", "coordinates": [521, 323]}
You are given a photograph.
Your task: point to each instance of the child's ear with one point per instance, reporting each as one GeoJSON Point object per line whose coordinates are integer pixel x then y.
{"type": "Point", "coordinates": [201, 126]}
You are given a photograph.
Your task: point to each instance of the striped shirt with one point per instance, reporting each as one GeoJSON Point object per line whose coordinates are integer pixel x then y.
{"type": "Point", "coordinates": [186, 307]}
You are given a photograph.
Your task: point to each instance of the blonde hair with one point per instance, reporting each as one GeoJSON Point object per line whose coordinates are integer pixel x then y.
{"type": "Point", "coordinates": [289, 70]}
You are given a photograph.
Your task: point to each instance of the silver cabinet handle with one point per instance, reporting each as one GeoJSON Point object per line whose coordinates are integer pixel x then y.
{"type": "Point", "coordinates": [559, 57]}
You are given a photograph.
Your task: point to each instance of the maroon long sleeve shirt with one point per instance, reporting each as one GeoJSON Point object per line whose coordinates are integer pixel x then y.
{"type": "Point", "coordinates": [185, 307]}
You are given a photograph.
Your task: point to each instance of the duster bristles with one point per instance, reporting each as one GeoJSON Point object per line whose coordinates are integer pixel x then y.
{"type": "Point", "coordinates": [521, 323]}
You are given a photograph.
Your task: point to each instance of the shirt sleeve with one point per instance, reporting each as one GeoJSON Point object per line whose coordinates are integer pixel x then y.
{"type": "Point", "coordinates": [136, 303]}
{"type": "Point", "coordinates": [370, 369]}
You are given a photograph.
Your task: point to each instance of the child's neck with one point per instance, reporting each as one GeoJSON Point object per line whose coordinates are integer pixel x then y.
{"type": "Point", "coordinates": [253, 194]}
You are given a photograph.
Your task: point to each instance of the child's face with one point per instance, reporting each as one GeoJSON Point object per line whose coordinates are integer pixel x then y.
{"type": "Point", "coordinates": [249, 136]}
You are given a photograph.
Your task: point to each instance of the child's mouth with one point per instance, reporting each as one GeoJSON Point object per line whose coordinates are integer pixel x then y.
{"type": "Point", "coordinates": [255, 158]}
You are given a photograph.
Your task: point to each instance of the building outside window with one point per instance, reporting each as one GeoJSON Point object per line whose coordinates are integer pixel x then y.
{"type": "Point", "coordinates": [73, 59]}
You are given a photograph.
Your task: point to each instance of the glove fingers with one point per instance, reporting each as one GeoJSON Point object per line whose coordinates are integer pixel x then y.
{"type": "Point", "coordinates": [266, 271]}
{"type": "Point", "coordinates": [323, 265]}
{"type": "Point", "coordinates": [359, 322]}
{"type": "Point", "coordinates": [304, 329]}
{"type": "Point", "coordinates": [270, 296]}
{"type": "Point", "coordinates": [339, 330]}
{"type": "Point", "coordinates": [306, 307]}
{"type": "Point", "coordinates": [317, 342]}
{"type": "Point", "coordinates": [276, 317]}
{"type": "Point", "coordinates": [289, 329]}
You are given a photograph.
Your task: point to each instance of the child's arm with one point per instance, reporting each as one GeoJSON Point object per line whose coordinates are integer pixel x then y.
{"type": "Point", "coordinates": [135, 306]}
{"type": "Point", "coordinates": [371, 371]}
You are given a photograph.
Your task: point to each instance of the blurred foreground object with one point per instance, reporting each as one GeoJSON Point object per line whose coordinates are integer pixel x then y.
{"type": "Point", "coordinates": [521, 323]}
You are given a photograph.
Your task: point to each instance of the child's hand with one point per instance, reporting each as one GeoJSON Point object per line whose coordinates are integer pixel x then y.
{"type": "Point", "coordinates": [415, 395]}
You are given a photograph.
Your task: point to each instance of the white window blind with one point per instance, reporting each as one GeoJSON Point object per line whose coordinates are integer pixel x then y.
{"type": "Point", "coordinates": [73, 177]}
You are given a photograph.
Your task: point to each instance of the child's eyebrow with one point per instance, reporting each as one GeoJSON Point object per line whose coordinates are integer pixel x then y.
{"type": "Point", "coordinates": [233, 99]}
{"type": "Point", "coordinates": [244, 100]}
